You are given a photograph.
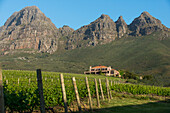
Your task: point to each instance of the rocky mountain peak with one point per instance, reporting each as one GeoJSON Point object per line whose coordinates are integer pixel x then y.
{"type": "Point", "coordinates": [29, 29]}
{"type": "Point", "coordinates": [145, 24]}
{"type": "Point", "coordinates": [145, 13]}
{"type": "Point", "coordinates": [26, 16]}
{"type": "Point", "coordinates": [120, 21]}
{"type": "Point", "coordinates": [31, 8]}
{"type": "Point", "coordinates": [103, 16]}
{"type": "Point", "coordinates": [148, 19]}
{"type": "Point", "coordinates": [66, 30]}
{"type": "Point", "coordinates": [100, 31]}
{"type": "Point", "coordinates": [121, 27]}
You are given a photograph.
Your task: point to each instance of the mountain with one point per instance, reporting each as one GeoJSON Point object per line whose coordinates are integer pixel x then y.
{"type": "Point", "coordinates": [148, 55]}
{"type": "Point", "coordinates": [66, 30]}
{"type": "Point", "coordinates": [145, 24]}
{"type": "Point", "coordinates": [29, 29]}
{"type": "Point", "coordinates": [100, 31]}
{"type": "Point", "coordinates": [121, 27]}
{"type": "Point", "coordinates": [29, 40]}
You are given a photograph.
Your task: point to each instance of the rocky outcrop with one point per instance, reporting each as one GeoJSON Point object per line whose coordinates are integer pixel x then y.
{"type": "Point", "coordinates": [29, 29]}
{"type": "Point", "coordinates": [101, 31]}
{"type": "Point", "coordinates": [145, 24]}
{"type": "Point", "coordinates": [121, 27]}
{"type": "Point", "coordinates": [65, 30]}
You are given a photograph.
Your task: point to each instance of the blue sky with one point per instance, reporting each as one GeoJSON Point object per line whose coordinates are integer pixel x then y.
{"type": "Point", "coordinates": [77, 13]}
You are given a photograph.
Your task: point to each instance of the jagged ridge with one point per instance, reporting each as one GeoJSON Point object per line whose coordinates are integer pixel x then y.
{"type": "Point", "coordinates": [31, 29]}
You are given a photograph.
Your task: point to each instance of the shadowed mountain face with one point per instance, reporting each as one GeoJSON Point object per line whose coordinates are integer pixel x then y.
{"type": "Point", "coordinates": [30, 29]}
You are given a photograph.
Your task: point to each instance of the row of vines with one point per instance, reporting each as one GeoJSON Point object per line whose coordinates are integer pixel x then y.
{"type": "Point", "coordinates": [23, 95]}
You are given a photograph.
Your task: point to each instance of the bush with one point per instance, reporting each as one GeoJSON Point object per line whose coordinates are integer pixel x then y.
{"type": "Point", "coordinates": [128, 75]}
{"type": "Point", "coordinates": [148, 77]}
{"type": "Point", "coordinates": [132, 81]}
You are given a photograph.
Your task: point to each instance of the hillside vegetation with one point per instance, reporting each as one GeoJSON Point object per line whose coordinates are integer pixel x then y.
{"type": "Point", "coordinates": [149, 55]}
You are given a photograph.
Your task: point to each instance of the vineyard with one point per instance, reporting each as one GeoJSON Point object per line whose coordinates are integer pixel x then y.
{"type": "Point", "coordinates": [21, 90]}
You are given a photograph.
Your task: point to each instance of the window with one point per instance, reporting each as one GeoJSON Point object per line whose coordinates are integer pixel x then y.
{"type": "Point", "coordinates": [112, 72]}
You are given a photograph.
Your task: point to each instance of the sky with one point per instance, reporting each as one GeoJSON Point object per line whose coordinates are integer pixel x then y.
{"type": "Point", "coordinates": [76, 13]}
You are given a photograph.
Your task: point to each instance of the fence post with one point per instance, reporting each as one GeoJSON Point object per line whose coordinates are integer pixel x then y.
{"type": "Point", "coordinates": [6, 81]}
{"type": "Point", "coordinates": [77, 94]}
{"type": "Point", "coordinates": [89, 94]}
{"type": "Point", "coordinates": [2, 108]}
{"type": "Point", "coordinates": [107, 87]}
{"type": "Point", "coordinates": [97, 93]}
{"type": "Point", "coordinates": [110, 90]}
{"type": "Point", "coordinates": [64, 93]}
{"type": "Point", "coordinates": [29, 80]}
{"type": "Point", "coordinates": [18, 81]}
{"type": "Point", "coordinates": [101, 89]}
{"type": "Point", "coordinates": [40, 89]}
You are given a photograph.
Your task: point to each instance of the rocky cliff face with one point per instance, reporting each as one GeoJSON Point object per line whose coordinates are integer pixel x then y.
{"type": "Point", "coordinates": [30, 29]}
{"type": "Point", "coordinates": [66, 30]}
{"type": "Point", "coordinates": [101, 31]}
{"type": "Point", "coordinates": [145, 24]}
{"type": "Point", "coordinates": [121, 27]}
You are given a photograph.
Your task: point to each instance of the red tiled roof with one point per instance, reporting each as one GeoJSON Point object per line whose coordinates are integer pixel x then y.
{"type": "Point", "coordinates": [99, 67]}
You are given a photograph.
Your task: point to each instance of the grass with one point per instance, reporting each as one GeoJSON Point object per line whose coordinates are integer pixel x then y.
{"type": "Point", "coordinates": [129, 105]}
{"type": "Point", "coordinates": [125, 103]}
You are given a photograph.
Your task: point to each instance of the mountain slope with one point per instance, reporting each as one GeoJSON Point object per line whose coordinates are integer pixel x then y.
{"type": "Point", "coordinates": [28, 36]}
{"type": "Point", "coordinates": [143, 55]}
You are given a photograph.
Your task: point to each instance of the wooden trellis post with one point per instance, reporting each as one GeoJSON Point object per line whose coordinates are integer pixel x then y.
{"type": "Point", "coordinates": [101, 89]}
{"type": "Point", "coordinates": [2, 108]}
{"type": "Point", "coordinates": [6, 81]}
{"type": "Point", "coordinates": [64, 92]}
{"type": "Point", "coordinates": [89, 94]}
{"type": "Point", "coordinates": [18, 81]}
{"type": "Point", "coordinates": [97, 93]}
{"type": "Point", "coordinates": [29, 80]}
{"type": "Point", "coordinates": [40, 89]}
{"type": "Point", "coordinates": [77, 94]}
{"type": "Point", "coordinates": [109, 90]}
{"type": "Point", "coordinates": [107, 87]}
